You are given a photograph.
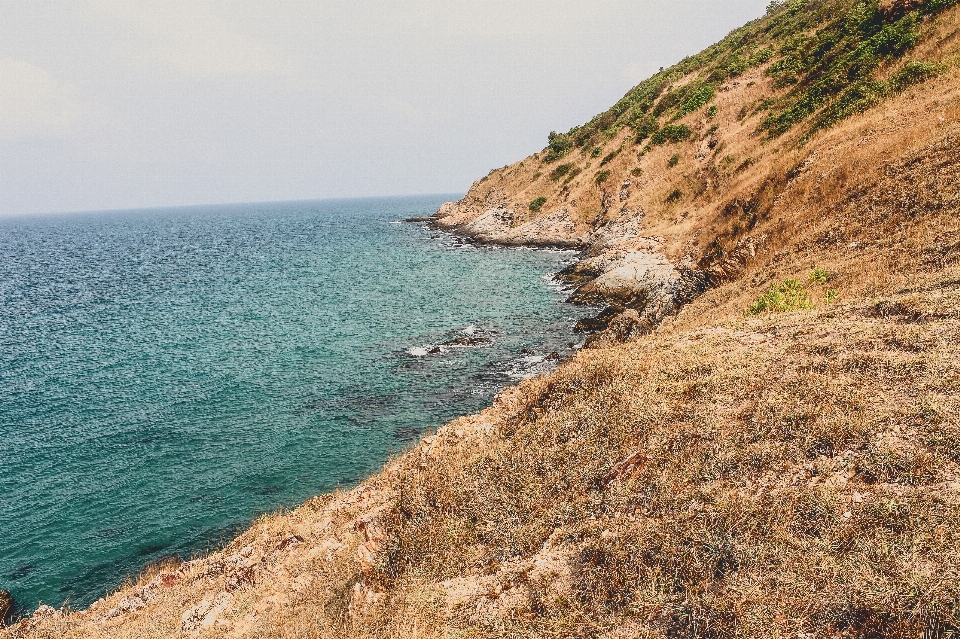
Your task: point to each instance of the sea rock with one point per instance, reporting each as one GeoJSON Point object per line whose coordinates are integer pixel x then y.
{"type": "Point", "coordinates": [618, 269]}
{"type": "Point", "coordinates": [7, 606]}
{"type": "Point", "coordinates": [554, 229]}
{"type": "Point", "coordinates": [621, 231]}
{"type": "Point", "coordinates": [501, 222]}
{"type": "Point", "coordinates": [467, 341]}
{"type": "Point", "coordinates": [636, 274]}
{"type": "Point", "coordinates": [598, 322]}
{"type": "Point", "coordinates": [370, 550]}
{"type": "Point", "coordinates": [242, 568]}
{"type": "Point", "coordinates": [492, 225]}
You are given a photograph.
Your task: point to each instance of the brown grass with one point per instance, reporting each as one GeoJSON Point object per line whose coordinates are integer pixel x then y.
{"type": "Point", "coordinates": [785, 474]}
{"type": "Point", "coordinates": [728, 475]}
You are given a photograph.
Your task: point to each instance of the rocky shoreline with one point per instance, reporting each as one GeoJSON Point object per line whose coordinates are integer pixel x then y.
{"type": "Point", "coordinates": [617, 268]}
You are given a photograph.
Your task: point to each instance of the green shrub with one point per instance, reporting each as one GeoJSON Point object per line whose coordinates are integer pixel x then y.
{"type": "Point", "coordinates": [671, 133]}
{"type": "Point", "coordinates": [574, 172]}
{"type": "Point", "coordinates": [668, 101]}
{"type": "Point", "coordinates": [737, 66]}
{"type": "Point", "coordinates": [815, 49]}
{"type": "Point", "coordinates": [601, 176]}
{"type": "Point", "coordinates": [636, 171]}
{"type": "Point", "coordinates": [857, 99]}
{"type": "Point", "coordinates": [560, 171]}
{"type": "Point", "coordinates": [819, 276]}
{"type": "Point", "coordinates": [559, 144]}
{"type": "Point", "coordinates": [696, 98]}
{"type": "Point", "coordinates": [934, 6]}
{"type": "Point", "coordinates": [609, 156]}
{"type": "Point", "coordinates": [673, 161]}
{"type": "Point", "coordinates": [712, 111]}
{"type": "Point", "coordinates": [646, 127]}
{"type": "Point", "coordinates": [760, 57]}
{"type": "Point", "coordinates": [911, 73]}
{"type": "Point", "coordinates": [537, 204]}
{"type": "Point", "coordinates": [596, 152]}
{"type": "Point", "coordinates": [835, 67]}
{"type": "Point", "coordinates": [789, 295]}
{"type": "Point", "coordinates": [832, 295]}
{"type": "Point", "coordinates": [675, 196]}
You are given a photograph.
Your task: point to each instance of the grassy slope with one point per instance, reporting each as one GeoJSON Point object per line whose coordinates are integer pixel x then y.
{"type": "Point", "coordinates": [780, 474]}
{"type": "Point", "coordinates": [704, 194]}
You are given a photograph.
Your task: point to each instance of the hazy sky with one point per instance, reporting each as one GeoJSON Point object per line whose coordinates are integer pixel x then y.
{"type": "Point", "coordinates": [123, 104]}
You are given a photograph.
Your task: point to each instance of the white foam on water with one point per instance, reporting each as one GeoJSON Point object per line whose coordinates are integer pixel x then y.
{"type": "Point", "coordinates": [528, 366]}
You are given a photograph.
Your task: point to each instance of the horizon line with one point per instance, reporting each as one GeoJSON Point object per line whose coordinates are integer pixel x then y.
{"type": "Point", "coordinates": [165, 207]}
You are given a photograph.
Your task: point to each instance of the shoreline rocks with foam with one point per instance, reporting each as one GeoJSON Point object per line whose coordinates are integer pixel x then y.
{"type": "Point", "coordinates": [617, 267]}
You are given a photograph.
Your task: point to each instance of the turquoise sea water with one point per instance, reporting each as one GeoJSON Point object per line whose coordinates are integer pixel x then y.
{"type": "Point", "coordinates": [167, 375]}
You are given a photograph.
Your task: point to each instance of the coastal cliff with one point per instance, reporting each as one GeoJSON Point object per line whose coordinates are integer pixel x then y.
{"type": "Point", "coordinates": [677, 186]}
{"type": "Point", "coordinates": [762, 438]}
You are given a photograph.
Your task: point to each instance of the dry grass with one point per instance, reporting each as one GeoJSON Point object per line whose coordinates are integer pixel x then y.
{"type": "Point", "coordinates": [728, 475]}
{"type": "Point", "coordinates": [790, 474]}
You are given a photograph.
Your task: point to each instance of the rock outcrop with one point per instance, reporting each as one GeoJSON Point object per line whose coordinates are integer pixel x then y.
{"type": "Point", "coordinates": [7, 606]}
{"type": "Point", "coordinates": [504, 225]}
{"type": "Point", "coordinates": [619, 269]}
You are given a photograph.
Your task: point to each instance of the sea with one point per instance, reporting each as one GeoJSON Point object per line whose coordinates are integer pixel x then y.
{"type": "Point", "coordinates": [168, 375]}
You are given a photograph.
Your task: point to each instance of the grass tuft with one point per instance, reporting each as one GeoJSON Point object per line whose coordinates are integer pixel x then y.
{"type": "Point", "coordinates": [788, 295]}
{"type": "Point", "coordinates": [820, 276]}
{"type": "Point", "coordinates": [671, 133]}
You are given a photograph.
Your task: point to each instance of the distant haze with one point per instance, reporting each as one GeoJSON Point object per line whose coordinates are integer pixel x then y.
{"type": "Point", "coordinates": [122, 104]}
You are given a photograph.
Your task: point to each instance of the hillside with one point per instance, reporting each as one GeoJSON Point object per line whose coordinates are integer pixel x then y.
{"type": "Point", "coordinates": [763, 436]}
{"type": "Point", "coordinates": [732, 151]}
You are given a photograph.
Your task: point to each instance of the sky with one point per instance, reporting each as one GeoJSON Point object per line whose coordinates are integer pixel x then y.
{"type": "Point", "coordinates": [108, 104]}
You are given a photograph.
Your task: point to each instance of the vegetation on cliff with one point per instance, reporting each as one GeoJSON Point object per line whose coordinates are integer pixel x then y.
{"type": "Point", "coordinates": [828, 52]}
